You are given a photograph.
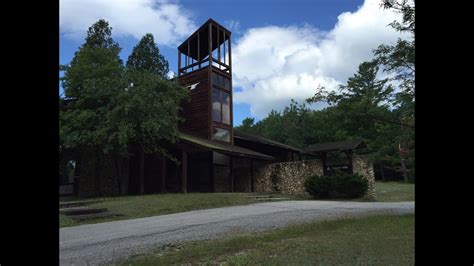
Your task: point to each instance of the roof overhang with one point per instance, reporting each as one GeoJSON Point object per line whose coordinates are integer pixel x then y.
{"type": "Point", "coordinates": [222, 147]}
{"type": "Point", "coordinates": [334, 146]}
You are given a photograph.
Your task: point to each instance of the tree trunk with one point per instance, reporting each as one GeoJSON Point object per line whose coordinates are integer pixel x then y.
{"type": "Point", "coordinates": [142, 170]}
{"type": "Point", "coordinates": [404, 169]}
{"type": "Point", "coordinates": [382, 173]}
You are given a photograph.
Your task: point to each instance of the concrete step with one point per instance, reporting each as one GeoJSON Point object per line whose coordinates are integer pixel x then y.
{"type": "Point", "coordinates": [271, 199]}
{"type": "Point", "coordinates": [259, 196]}
{"type": "Point", "coordinates": [72, 211]}
{"type": "Point", "coordinates": [83, 217]}
{"type": "Point", "coordinates": [68, 204]}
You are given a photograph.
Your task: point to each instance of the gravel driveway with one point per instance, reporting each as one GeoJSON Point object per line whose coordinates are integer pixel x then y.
{"type": "Point", "coordinates": [104, 243]}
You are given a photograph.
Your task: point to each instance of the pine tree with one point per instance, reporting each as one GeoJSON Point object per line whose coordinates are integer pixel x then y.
{"type": "Point", "coordinates": [146, 57]}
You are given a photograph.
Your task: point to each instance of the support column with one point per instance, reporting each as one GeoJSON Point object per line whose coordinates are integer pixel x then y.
{"type": "Point", "coordinates": [179, 63]}
{"type": "Point", "coordinates": [230, 55]}
{"type": "Point", "coordinates": [184, 172]}
{"type": "Point", "coordinates": [251, 175]}
{"type": "Point", "coordinates": [163, 175]}
{"type": "Point", "coordinates": [199, 50]}
{"type": "Point", "coordinates": [349, 157]}
{"type": "Point", "coordinates": [231, 173]}
{"type": "Point", "coordinates": [210, 45]}
{"type": "Point", "coordinates": [323, 158]}
{"type": "Point", "coordinates": [218, 47]}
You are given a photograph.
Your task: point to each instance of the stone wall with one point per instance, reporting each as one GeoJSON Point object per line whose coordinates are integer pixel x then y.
{"type": "Point", "coordinates": [361, 165]}
{"type": "Point", "coordinates": [286, 178]}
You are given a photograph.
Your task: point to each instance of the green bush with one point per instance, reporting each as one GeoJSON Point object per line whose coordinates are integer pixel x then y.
{"type": "Point", "coordinates": [340, 185]}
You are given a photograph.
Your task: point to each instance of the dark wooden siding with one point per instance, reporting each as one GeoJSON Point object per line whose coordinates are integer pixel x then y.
{"type": "Point", "coordinates": [196, 111]}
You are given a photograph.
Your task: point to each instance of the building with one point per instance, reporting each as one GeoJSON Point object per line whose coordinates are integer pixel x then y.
{"type": "Point", "coordinates": [211, 156]}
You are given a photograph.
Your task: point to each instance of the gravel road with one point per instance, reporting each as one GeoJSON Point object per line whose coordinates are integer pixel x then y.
{"type": "Point", "coordinates": [105, 243]}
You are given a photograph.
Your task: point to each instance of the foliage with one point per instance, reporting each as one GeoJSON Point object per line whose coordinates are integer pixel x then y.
{"type": "Point", "coordinates": [319, 186]}
{"type": "Point", "coordinates": [91, 82]}
{"type": "Point", "coordinates": [108, 108]}
{"type": "Point", "coordinates": [339, 185]}
{"type": "Point", "coordinates": [146, 57]}
{"type": "Point", "coordinates": [350, 185]}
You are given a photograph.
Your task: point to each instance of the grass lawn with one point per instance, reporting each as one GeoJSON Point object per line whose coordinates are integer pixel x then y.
{"type": "Point", "coordinates": [393, 191]}
{"type": "Point", "coordinates": [157, 204]}
{"type": "Point", "coordinates": [375, 240]}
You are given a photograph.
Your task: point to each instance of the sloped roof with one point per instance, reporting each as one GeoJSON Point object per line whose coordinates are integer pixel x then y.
{"type": "Point", "coordinates": [221, 147]}
{"type": "Point", "coordinates": [335, 146]}
{"type": "Point", "coordinates": [254, 138]}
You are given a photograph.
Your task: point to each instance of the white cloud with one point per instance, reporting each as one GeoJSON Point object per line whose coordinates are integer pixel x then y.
{"type": "Point", "coordinates": [274, 64]}
{"type": "Point", "coordinates": [232, 25]}
{"type": "Point", "coordinates": [167, 21]}
{"type": "Point", "coordinates": [170, 74]}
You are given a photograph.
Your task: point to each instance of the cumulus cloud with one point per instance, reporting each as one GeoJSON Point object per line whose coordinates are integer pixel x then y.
{"type": "Point", "coordinates": [274, 64]}
{"type": "Point", "coordinates": [166, 20]}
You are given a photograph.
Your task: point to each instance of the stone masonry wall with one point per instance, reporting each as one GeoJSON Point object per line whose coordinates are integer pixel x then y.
{"type": "Point", "coordinates": [286, 178]}
{"type": "Point", "coordinates": [361, 165]}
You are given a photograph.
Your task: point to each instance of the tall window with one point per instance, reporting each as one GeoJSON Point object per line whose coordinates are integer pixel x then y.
{"type": "Point", "coordinates": [219, 81]}
{"type": "Point", "coordinates": [221, 134]}
{"type": "Point", "coordinates": [220, 106]}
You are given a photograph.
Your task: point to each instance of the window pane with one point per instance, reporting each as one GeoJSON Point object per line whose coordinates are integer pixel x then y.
{"type": "Point", "coordinates": [225, 108]}
{"type": "Point", "coordinates": [221, 134]}
{"type": "Point", "coordinates": [227, 83]}
{"type": "Point", "coordinates": [214, 78]}
{"type": "Point", "coordinates": [216, 106]}
{"type": "Point", "coordinates": [221, 81]}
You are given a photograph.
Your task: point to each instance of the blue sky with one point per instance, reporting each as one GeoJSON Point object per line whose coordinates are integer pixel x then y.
{"type": "Point", "coordinates": [282, 49]}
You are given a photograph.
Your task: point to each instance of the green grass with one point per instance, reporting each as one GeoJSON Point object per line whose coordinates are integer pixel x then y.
{"type": "Point", "coordinates": [393, 191]}
{"type": "Point", "coordinates": [375, 240]}
{"type": "Point", "coordinates": [158, 204]}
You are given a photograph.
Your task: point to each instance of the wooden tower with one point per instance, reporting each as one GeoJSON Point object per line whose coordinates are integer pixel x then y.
{"type": "Point", "coordinates": [205, 68]}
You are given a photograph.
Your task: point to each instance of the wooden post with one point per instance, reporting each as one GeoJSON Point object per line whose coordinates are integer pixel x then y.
{"type": "Point", "coordinates": [184, 172]}
{"type": "Point", "coordinates": [225, 43]}
{"type": "Point", "coordinates": [231, 173]}
{"type": "Point", "coordinates": [210, 45]}
{"type": "Point", "coordinates": [189, 53]}
{"type": "Point", "coordinates": [142, 170]}
{"type": "Point", "coordinates": [251, 175]}
{"type": "Point", "coordinates": [199, 50]}
{"type": "Point", "coordinates": [218, 47]}
{"type": "Point", "coordinates": [179, 63]}
{"type": "Point", "coordinates": [163, 175]}
{"type": "Point", "coordinates": [323, 157]}
{"type": "Point", "coordinates": [230, 55]}
{"type": "Point", "coordinates": [349, 157]}
{"type": "Point", "coordinates": [211, 172]}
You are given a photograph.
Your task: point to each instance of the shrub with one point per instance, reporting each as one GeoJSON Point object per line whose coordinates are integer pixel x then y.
{"type": "Point", "coordinates": [339, 185]}
{"type": "Point", "coordinates": [350, 185]}
{"type": "Point", "coordinates": [318, 186]}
